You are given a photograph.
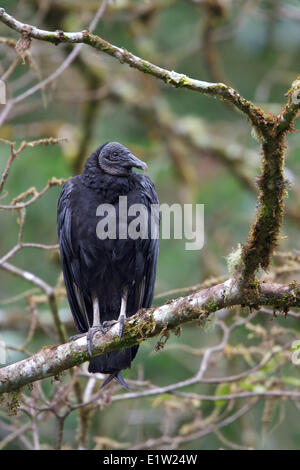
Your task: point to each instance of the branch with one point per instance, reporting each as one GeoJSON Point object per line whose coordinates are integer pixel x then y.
{"type": "Point", "coordinates": [52, 360]}
{"type": "Point", "coordinates": [263, 235]}
{"type": "Point", "coordinates": [69, 59]}
{"type": "Point", "coordinates": [173, 388]}
{"type": "Point", "coordinates": [49, 291]}
{"type": "Point", "coordinates": [178, 80]}
{"type": "Point", "coordinates": [17, 204]}
{"type": "Point", "coordinates": [174, 442]}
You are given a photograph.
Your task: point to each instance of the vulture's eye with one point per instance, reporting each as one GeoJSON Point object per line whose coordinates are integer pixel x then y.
{"type": "Point", "coordinates": [115, 154]}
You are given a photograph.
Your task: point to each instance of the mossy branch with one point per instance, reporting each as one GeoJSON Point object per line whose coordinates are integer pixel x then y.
{"type": "Point", "coordinates": [263, 235]}
{"type": "Point", "coordinates": [52, 360]}
{"type": "Point", "coordinates": [178, 80]}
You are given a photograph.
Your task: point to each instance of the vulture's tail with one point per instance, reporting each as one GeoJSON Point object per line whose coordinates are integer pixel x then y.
{"type": "Point", "coordinates": [118, 378]}
{"type": "Point", "coordinates": [113, 363]}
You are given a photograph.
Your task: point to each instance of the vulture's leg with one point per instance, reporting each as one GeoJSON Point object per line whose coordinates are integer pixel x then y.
{"type": "Point", "coordinates": [96, 326]}
{"type": "Point", "coordinates": [122, 316]}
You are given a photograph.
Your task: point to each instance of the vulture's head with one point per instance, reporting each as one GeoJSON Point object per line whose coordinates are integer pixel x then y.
{"type": "Point", "coordinates": [115, 159]}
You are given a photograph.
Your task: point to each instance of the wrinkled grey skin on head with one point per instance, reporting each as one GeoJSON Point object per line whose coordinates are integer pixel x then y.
{"type": "Point", "coordinates": [115, 159]}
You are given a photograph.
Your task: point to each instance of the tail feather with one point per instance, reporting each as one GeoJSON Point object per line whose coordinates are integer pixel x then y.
{"type": "Point", "coordinates": [117, 376]}
{"type": "Point", "coordinates": [114, 361]}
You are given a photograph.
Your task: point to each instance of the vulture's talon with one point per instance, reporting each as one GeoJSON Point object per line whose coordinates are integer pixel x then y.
{"type": "Point", "coordinates": [108, 324]}
{"type": "Point", "coordinates": [74, 337]}
{"type": "Point", "coordinates": [90, 335]}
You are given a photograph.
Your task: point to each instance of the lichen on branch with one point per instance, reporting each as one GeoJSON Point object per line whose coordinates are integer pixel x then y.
{"type": "Point", "coordinates": [52, 360]}
{"type": "Point", "coordinates": [178, 80]}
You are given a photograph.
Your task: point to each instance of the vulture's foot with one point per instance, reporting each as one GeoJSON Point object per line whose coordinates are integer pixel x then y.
{"type": "Point", "coordinates": [73, 338]}
{"type": "Point", "coordinates": [90, 335]}
{"type": "Point", "coordinates": [121, 321]}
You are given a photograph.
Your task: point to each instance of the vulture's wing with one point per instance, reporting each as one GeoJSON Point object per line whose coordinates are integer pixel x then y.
{"type": "Point", "coordinates": [79, 300]}
{"type": "Point", "coordinates": [148, 248]}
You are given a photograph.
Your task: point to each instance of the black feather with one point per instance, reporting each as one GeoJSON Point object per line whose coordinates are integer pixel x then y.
{"type": "Point", "coordinates": [105, 266]}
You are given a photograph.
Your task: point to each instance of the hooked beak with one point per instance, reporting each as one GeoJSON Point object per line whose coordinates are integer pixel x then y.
{"type": "Point", "coordinates": [132, 161]}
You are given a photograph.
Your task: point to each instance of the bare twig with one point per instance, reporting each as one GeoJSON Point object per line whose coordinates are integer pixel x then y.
{"type": "Point", "coordinates": [42, 84]}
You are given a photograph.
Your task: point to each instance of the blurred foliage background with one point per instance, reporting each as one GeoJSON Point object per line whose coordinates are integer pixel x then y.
{"type": "Point", "coordinates": [197, 149]}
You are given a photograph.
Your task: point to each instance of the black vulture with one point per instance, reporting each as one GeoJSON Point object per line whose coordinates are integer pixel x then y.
{"type": "Point", "coordinates": [108, 278]}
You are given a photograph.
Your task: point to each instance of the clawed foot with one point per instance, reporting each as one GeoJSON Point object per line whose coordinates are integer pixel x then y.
{"type": "Point", "coordinates": [90, 335]}
{"type": "Point", "coordinates": [73, 338]}
{"type": "Point", "coordinates": [121, 321]}
{"type": "Point", "coordinates": [103, 329]}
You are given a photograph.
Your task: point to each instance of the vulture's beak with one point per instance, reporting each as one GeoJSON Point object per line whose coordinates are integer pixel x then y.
{"type": "Point", "coordinates": [132, 161]}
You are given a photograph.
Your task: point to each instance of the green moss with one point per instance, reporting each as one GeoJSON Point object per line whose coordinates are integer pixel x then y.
{"type": "Point", "coordinates": [263, 236]}
{"type": "Point", "coordinates": [79, 357]}
{"type": "Point", "coordinates": [51, 37]}
{"type": "Point", "coordinates": [211, 306]}
{"type": "Point", "coordinates": [163, 339]}
{"type": "Point", "coordinates": [13, 400]}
